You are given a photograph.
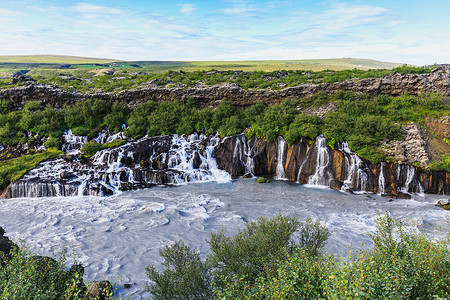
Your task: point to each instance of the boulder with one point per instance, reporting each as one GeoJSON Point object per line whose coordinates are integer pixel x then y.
{"type": "Point", "coordinates": [401, 195]}
{"type": "Point", "coordinates": [99, 290]}
{"type": "Point", "coordinates": [336, 184]}
{"type": "Point", "coordinates": [443, 202]}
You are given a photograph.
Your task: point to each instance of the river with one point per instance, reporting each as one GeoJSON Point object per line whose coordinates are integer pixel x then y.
{"type": "Point", "coordinates": [116, 237]}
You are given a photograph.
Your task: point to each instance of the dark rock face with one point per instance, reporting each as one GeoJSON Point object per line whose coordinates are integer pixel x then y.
{"type": "Point", "coordinates": [396, 84]}
{"type": "Point", "coordinates": [176, 159]}
{"type": "Point", "coordinates": [339, 169]}
{"type": "Point", "coordinates": [6, 246]}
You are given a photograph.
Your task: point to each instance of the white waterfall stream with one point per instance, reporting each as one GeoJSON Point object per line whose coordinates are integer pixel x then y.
{"type": "Point", "coordinates": [411, 184]}
{"type": "Point", "coordinates": [381, 180]}
{"type": "Point", "coordinates": [280, 174]}
{"type": "Point", "coordinates": [357, 177]}
{"type": "Point", "coordinates": [321, 175]}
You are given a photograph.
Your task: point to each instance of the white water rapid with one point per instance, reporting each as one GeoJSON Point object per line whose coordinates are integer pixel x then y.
{"type": "Point", "coordinates": [117, 237]}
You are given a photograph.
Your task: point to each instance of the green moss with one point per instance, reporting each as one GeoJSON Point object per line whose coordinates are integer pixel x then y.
{"type": "Point", "coordinates": [13, 169]}
{"type": "Point", "coordinates": [92, 147]}
{"type": "Point", "coordinates": [262, 180]}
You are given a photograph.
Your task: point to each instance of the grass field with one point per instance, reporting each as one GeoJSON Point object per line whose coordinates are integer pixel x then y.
{"type": "Point", "coordinates": [36, 63]}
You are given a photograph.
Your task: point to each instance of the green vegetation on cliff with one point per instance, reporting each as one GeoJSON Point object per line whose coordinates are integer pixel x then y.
{"type": "Point", "coordinates": [13, 169]}
{"type": "Point", "coordinates": [361, 120]}
{"type": "Point", "coordinates": [90, 82]}
{"type": "Point", "coordinates": [264, 261]}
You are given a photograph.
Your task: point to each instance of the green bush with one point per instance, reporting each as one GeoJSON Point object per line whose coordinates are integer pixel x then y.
{"type": "Point", "coordinates": [91, 147]}
{"type": "Point", "coordinates": [185, 276]}
{"type": "Point", "coordinates": [5, 106]}
{"type": "Point", "coordinates": [53, 142]}
{"type": "Point", "coordinates": [402, 265]}
{"type": "Point", "coordinates": [262, 180]}
{"type": "Point", "coordinates": [313, 236]}
{"type": "Point", "coordinates": [25, 277]}
{"type": "Point", "coordinates": [442, 164]}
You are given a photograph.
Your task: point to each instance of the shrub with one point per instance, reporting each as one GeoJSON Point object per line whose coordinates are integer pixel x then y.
{"type": "Point", "coordinates": [253, 251]}
{"type": "Point", "coordinates": [13, 169]}
{"type": "Point", "coordinates": [5, 106]}
{"type": "Point", "coordinates": [185, 276]}
{"type": "Point", "coordinates": [262, 180]}
{"type": "Point", "coordinates": [91, 147]}
{"type": "Point", "coordinates": [53, 142]}
{"type": "Point", "coordinates": [313, 236]}
{"type": "Point", "coordinates": [441, 165]}
{"type": "Point", "coordinates": [25, 277]}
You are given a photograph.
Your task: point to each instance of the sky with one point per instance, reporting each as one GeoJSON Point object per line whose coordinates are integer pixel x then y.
{"type": "Point", "coordinates": [405, 31]}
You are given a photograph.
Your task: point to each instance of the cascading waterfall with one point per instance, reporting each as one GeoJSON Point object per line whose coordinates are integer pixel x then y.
{"type": "Point", "coordinates": [280, 174]}
{"type": "Point", "coordinates": [106, 136]}
{"type": "Point", "coordinates": [192, 164]}
{"type": "Point", "coordinates": [72, 143]}
{"type": "Point", "coordinates": [357, 177]}
{"type": "Point", "coordinates": [381, 180]}
{"type": "Point", "coordinates": [321, 176]}
{"type": "Point", "coordinates": [411, 184]}
{"type": "Point", "coordinates": [182, 159]}
{"type": "Point", "coordinates": [244, 152]}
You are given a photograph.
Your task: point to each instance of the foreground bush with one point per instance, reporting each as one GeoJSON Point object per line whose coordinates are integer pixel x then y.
{"type": "Point", "coordinates": [262, 261]}
{"type": "Point", "coordinates": [248, 258]}
{"type": "Point", "coordinates": [25, 276]}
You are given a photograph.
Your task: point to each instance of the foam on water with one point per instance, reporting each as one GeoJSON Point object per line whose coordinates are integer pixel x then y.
{"type": "Point", "coordinates": [116, 237]}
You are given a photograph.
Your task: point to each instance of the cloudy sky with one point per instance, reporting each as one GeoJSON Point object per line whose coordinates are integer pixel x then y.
{"type": "Point", "coordinates": [407, 31]}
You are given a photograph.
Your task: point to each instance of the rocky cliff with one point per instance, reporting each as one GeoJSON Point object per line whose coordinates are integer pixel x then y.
{"type": "Point", "coordinates": [396, 84]}
{"type": "Point", "coordinates": [318, 164]}
{"type": "Point", "coordinates": [177, 159]}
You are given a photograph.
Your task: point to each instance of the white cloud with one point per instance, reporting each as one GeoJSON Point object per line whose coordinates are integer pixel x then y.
{"type": "Point", "coordinates": [187, 9]}
{"type": "Point", "coordinates": [241, 30]}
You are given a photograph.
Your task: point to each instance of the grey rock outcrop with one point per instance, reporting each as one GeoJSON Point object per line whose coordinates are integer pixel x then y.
{"type": "Point", "coordinates": [395, 85]}
{"type": "Point", "coordinates": [414, 147]}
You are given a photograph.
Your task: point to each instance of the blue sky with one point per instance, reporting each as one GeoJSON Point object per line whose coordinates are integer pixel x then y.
{"type": "Point", "coordinates": [414, 31]}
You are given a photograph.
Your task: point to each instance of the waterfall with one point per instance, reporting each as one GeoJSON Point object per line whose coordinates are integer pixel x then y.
{"type": "Point", "coordinates": [381, 180]}
{"type": "Point", "coordinates": [106, 136]}
{"type": "Point", "coordinates": [321, 175]}
{"type": "Point", "coordinates": [411, 184]}
{"type": "Point", "coordinates": [72, 143]}
{"type": "Point", "coordinates": [186, 157]}
{"type": "Point", "coordinates": [280, 174]}
{"type": "Point", "coordinates": [357, 174]}
{"type": "Point", "coordinates": [179, 159]}
{"type": "Point", "coordinates": [243, 152]}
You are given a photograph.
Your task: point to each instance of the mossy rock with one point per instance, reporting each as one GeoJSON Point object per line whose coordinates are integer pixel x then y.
{"type": "Point", "coordinates": [446, 207]}
{"type": "Point", "coordinates": [262, 180]}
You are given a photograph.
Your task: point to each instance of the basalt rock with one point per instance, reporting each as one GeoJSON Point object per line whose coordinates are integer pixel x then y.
{"type": "Point", "coordinates": [395, 85]}
{"type": "Point", "coordinates": [339, 168]}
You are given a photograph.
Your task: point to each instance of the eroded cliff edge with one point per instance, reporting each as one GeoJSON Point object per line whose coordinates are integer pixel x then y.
{"type": "Point", "coordinates": [437, 81]}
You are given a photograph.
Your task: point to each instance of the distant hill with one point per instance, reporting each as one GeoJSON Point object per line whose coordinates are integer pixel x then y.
{"type": "Point", "coordinates": [54, 62]}
{"type": "Point", "coordinates": [52, 59]}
